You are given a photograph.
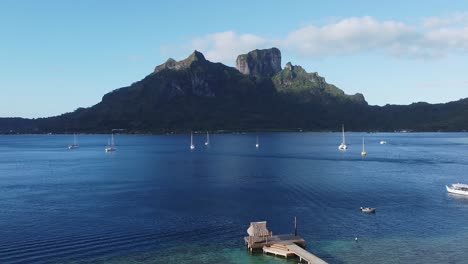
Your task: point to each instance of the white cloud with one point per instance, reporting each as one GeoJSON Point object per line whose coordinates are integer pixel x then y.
{"type": "Point", "coordinates": [448, 39]}
{"type": "Point", "coordinates": [224, 46]}
{"type": "Point", "coordinates": [434, 37]}
{"type": "Point", "coordinates": [348, 36]}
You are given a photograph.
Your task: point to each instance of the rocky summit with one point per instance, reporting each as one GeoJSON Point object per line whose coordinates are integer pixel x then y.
{"type": "Point", "coordinates": [171, 64]}
{"type": "Point", "coordinates": [197, 94]}
{"type": "Point", "coordinates": [261, 63]}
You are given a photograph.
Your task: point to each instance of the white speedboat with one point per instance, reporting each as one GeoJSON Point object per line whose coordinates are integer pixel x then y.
{"type": "Point", "coordinates": [343, 145]}
{"type": "Point", "coordinates": [458, 188]}
{"type": "Point", "coordinates": [368, 210]}
{"type": "Point", "coordinates": [383, 142]}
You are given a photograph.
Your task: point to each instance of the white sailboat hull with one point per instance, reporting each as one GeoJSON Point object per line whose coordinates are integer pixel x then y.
{"type": "Point", "coordinates": [109, 149]}
{"type": "Point", "coordinates": [343, 147]}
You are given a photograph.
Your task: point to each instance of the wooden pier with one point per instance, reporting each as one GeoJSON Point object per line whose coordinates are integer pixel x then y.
{"type": "Point", "coordinates": [279, 245]}
{"type": "Point", "coordinates": [305, 255]}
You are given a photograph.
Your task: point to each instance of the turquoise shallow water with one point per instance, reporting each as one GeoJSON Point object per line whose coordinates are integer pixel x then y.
{"type": "Point", "coordinates": [155, 201]}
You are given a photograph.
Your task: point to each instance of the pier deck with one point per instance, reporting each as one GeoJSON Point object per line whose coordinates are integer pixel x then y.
{"type": "Point", "coordinates": [286, 246]}
{"type": "Point", "coordinates": [305, 255]}
{"type": "Point", "coordinates": [278, 251]}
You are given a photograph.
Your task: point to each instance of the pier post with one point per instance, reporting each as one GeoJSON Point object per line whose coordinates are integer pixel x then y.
{"type": "Point", "coordinates": [295, 226]}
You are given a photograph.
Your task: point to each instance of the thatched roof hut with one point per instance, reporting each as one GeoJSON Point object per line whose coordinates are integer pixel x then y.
{"type": "Point", "coordinates": [258, 229]}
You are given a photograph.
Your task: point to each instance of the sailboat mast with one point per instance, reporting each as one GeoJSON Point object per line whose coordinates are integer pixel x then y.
{"type": "Point", "coordinates": [363, 149]}
{"type": "Point", "coordinates": [342, 128]}
{"type": "Point", "coordinates": [191, 138]}
{"type": "Point", "coordinates": [207, 137]}
{"type": "Point", "coordinates": [74, 139]}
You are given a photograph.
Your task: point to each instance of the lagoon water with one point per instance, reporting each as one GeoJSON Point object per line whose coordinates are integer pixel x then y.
{"type": "Point", "coordinates": [155, 201]}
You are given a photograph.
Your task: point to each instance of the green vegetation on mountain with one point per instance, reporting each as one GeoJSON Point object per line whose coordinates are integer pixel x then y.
{"type": "Point", "coordinates": [310, 87]}
{"type": "Point", "coordinates": [196, 94]}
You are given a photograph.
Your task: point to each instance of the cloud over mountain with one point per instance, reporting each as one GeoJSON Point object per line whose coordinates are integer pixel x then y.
{"type": "Point", "coordinates": [224, 46]}
{"type": "Point", "coordinates": [433, 37]}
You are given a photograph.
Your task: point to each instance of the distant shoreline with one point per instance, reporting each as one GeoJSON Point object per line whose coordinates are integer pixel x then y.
{"type": "Point", "coordinates": [184, 132]}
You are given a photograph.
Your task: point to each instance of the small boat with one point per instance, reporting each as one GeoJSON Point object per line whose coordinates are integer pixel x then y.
{"type": "Point", "coordinates": [192, 146]}
{"type": "Point", "coordinates": [458, 188]}
{"type": "Point", "coordinates": [368, 210]}
{"type": "Point", "coordinates": [207, 139]}
{"type": "Point", "coordinates": [343, 145]}
{"type": "Point", "coordinates": [383, 142]}
{"type": "Point", "coordinates": [363, 152]}
{"type": "Point", "coordinates": [257, 145]}
{"type": "Point", "coordinates": [74, 145]}
{"type": "Point", "coordinates": [110, 145]}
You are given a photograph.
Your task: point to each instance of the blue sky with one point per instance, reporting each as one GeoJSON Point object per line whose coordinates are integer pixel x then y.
{"type": "Point", "coordinates": [56, 56]}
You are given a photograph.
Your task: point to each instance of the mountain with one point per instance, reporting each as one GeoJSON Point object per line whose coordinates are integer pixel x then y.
{"type": "Point", "coordinates": [196, 94]}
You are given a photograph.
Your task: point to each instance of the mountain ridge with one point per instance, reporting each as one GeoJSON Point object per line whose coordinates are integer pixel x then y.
{"type": "Point", "coordinates": [258, 94]}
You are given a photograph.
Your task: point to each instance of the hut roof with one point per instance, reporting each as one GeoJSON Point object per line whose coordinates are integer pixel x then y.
{"type": "Point", "coordinates": [258, 229]}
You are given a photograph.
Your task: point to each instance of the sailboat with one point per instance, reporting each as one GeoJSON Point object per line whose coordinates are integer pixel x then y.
{"type": "Point", "coordinates": [110, 145]}
{"type": "Point", "coordinates": [343, 142]}
{"type": "Point", "coordinates": [207, 139]}
{"type": "Point", "coordinates": [363, 152]}
{"type": "Point", "coordinates": [74, 145]}
{"type": "Point", "coordinates": [192, 146]}
{"type": "Point", "coordinates": [257, 145]}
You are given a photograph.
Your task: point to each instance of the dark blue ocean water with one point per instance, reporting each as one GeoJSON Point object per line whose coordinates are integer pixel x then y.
{"type": "Point", "coordinates": [155, 201]}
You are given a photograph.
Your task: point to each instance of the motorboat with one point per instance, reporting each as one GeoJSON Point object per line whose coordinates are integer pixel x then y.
{"type": "Point", "coordinates": [458, 188]}
{"type": "Point", "coordinates": [368, 210]}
